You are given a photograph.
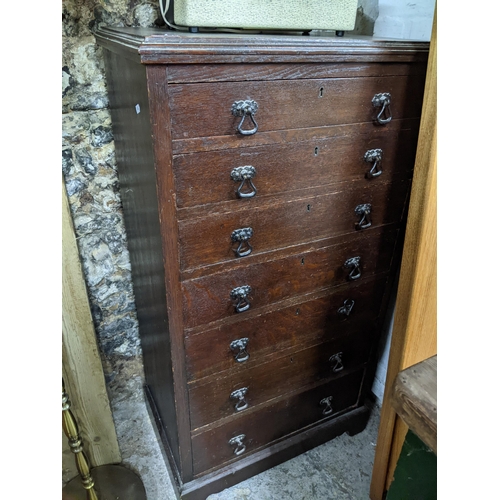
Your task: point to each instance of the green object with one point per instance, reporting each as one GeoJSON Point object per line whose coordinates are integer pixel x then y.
{"type": "Point", "coordinates": [415, 477]}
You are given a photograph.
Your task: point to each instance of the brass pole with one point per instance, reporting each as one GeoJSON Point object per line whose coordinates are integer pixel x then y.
{"type": "Point", "coordinates": [70, 428]}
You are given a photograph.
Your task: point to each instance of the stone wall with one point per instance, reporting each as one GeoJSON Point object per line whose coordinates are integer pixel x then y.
{"type": "Point", "coordinates": [88, 162]}
{"type": "Point", "coordinates": [89, 169]}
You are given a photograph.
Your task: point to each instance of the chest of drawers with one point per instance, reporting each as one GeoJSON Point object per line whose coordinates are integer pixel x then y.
{"type": "Point", "coordinates": [264, 182]}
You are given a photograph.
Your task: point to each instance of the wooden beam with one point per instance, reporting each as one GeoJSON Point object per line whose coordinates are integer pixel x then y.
{"type": "Point", "coordinates": [414, 336]}
{"type": "Point", "coordinates": [82, 367]}
{"type": "Point", "coordinates": [414, 398]}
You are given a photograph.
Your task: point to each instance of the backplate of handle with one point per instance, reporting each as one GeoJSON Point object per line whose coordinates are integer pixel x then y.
{"type": "Point", "coordinates": [239, 395]}
{"type": "Point", "coordinates": [237, 442]}
{"type": "Point", "coordinates": [244, 175]}
{"type": "Point", "coordinates": [242, 236]}
{"type": "Point", "coordinates": [245, 108]}
{"type": "Point", "coordinates": [327, 403]}
{"type": "Point", "coordinates": [383, 101]}
{"type": "Point", "coordinates": [364, 210]}
{"type": "Point", "coordinates": [240, 296]}
{"type": "Point", "coordinates": [336, 361]}
{"type": "Point", "coordinates": [346, 309]}
{"type": "Point", "coordinates": [374, 156]}
{"type": "Point", "coordinates": [354, 264]}
{"type": "Point", "coordinates": [239, 347]}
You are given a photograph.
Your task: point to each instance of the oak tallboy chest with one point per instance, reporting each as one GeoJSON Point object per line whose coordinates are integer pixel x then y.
{"type": "Point", "coordinates": [265, 181]}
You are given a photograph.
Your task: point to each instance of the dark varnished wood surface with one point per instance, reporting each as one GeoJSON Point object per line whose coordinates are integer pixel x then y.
{"type": "Point", "coordinates": [160, 46]}
{"type": "Point", "coordinates": [134, 155]}
{"type": "Point", "coordinates": [263, 426]}
{"type": "Point", "coordinates": [324, 213]}
{"type": "Point", "coordinates": [204, 109]}
{"type": "Point", "coordinates": [181, 226]}
{"type": "Point", "coordinates": [210, 399]}
{"type": "Point", "coordinates": [208, 299]}
{"type": "Point", "coordinates": [414, 397]}
{"type": "Point", "coordinates": [194, 73]}
{"type": "Point", "coordinates": [352, 422]}
{"type": "Point", "coordinates": [284, 329]}
{"type": "Point", "coordinates": [204, 177]}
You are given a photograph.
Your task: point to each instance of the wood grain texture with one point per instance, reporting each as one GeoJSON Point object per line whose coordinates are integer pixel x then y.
{"type": "Point", "coordinates": [414, 398]}
{"type": "Point", "coordinates": [205, 177]}
{"type": "Point", "coordinates": [208, 299]}
{"type": "Point", "coordinates": [200, 109]}
{"type": "Point", "coordinates": [158, 46]}
{"type": "Point", "coordinates": [82, 368]}
{"type": "Point", "coordinates": [415, 330]}
{"type": "Point", "coordinates": [285, 328]}
{"type": "Point", "coordinates": [189, 73]}
{"type": "Point", "coordinates": [313, 93]}
{"type": "Point", "coordinates": [210, 399]}
{"type": "Point", "coordinates": [132, 131]}
{"type": "Point", "coordinates": [352, 422]}
{"type": "Point", "coordinates": [263, 426]}
{"type": "Point", "coordinates": [325, 213]}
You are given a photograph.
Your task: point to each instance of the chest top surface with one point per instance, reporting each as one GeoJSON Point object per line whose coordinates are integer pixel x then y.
{"type": "Point", "coordinates": [155, 45]}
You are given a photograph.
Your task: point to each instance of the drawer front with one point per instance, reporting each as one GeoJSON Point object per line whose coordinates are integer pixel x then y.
{"type": "Point", "coordinates": [211, 297]}
{"type": "Point", "coordinates": [237, 392]}
{"type": "Point", "coordinates": [215, 176]}
{"type": "Point", "coordinates": [207, 240]}
{"type": "Point", "coordinates": [217, 446]}
{"type": "Point", "coordinates": [238, 346]}
{"type": "Point", "coordinates": [204, 109]}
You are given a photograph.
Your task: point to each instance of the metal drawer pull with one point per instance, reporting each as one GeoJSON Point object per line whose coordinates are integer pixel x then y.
{"type": "Point", "coordinates": [364, 212]}
{"type": "Point", "coordinates": [239, 346]}
{"type": "Point", "coordinates": [238, 441]}
{"type": "Point", "coordinates": [244, 109]}
{"type": "Point", "coordinates": [346, 309]}
{"type": "Point", "coordinates": [354, 264]}
{"type": "Point", "coordinates": [374, 156]}
{"type": "Point", "coordinates": [337, 359]}
{"type": "Point", "coordinates": [328, 405]}
{"type": "Point", "coordinates": [240, 394]}
{"type": "Point", "coordinates": [242, 236]}
{"type": "Point", "coordinates": [383, 100]}
{"type": "Point", "coordinates": [240, 295]}
{"type": "Point", "coordinates": [244, 175]}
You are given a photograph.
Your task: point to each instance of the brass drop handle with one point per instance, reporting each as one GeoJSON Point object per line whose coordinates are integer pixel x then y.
{"type": "Point", "coordinates": [346, 309]}
{"type": "Point", "coordinates": [244, 175]}
{"type": "Point", "coordinates": [239, 347]}
{"type": "Point", "coordinates": [364, 212]}
{"type": "Point", "coordinates": [237, 441]}
{"type": "Point", "coordinates": [374, 156]}
{"type": "Point", "coordinates": [336, 360]}
{"type": "Point", "coordinates": [383, 101]}
{"type": "Point", "coordinates": [242, 236]}
{"type": "Point", "coordinates": [245, 108]}
{"type": "Point", "coordinates": [239, 395]}
{"type": "Point", "coordinates": [240, 296]}
{"type": "Point", "coordinates": [354, 264]}
{"type": "Point", "coordinates": [327, 402]}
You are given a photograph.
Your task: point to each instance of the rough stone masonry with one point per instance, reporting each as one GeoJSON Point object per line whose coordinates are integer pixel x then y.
{"type": "Point", "coordinates": [89, 169]}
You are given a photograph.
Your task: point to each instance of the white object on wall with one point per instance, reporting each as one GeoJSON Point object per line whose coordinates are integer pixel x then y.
{"type": "Point", "coordinates": [410, 20]}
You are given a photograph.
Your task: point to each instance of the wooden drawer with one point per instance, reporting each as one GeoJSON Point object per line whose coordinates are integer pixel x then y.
{"type": "Point", "coordinates": [204, 109]}
{"type": "Point", "coordinates": [268, 335]}
{"type": "Point", "coordinates": [205, 177]}
{"type": "Point", "coordinates": [210, 400]}
{"type": "Point", "coordinates": [209, 299]}
{"type": "Point", "coordinates": [261, 427]}
{"type": "Point", "coordinates": [207, 240]}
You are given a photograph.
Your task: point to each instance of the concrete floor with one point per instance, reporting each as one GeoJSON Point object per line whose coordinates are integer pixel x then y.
{"type": "Point", "coordinates": [340, 469]}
